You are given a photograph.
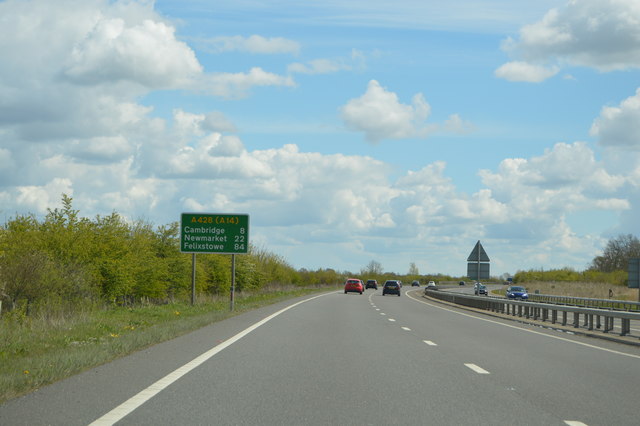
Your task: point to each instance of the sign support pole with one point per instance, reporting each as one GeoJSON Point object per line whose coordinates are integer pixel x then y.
{"type": "Point", "coordinates": [233, 279]}
{"type": "Point", "coordinates": [193, 279]}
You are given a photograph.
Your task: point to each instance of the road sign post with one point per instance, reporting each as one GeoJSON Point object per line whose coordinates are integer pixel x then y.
{"type": "Point", "coordinates": [214, 233]}
{"type": "Point", "coordinates": [633, 271]}
{"type": "Point", "coordinates": [478, 263]}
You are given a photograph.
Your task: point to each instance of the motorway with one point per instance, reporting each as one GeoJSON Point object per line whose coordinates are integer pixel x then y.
{"type": "Point", "coordinates": [350, 359]}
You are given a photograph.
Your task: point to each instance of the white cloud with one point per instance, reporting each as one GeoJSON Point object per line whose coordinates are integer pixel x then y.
{"type": "Point", "coordinates": [216, 121]}
{"type": "Point", "coordinates": [189, 124]}
{"type": "Point", "coordinates": [380, 115]}
{"type": "Point", "coordinates": [102, 149]}
{"type": "Point", "coordinates": [252, 44]}
{"type": "Point", "coordinates": [455, 124]}
{"type": "Point", "coordinates": [40, 198]}
{"type": "Point", "coordinates": [238, 85]}
{"type": "Point", "coordinates": [317, 66]}
{"type": "Point", "coordinates": [619, 126]}
{"type": "Point", "coordinates": [357, 61]}
{"type": "Point", "coordinates": [523, 71]}
{"type": "Point", "coordinates": [147, 54]}
{"type": "Point", "coordinates": [565, 178]}
{"type": "Point", "coordinates": [601, 34]}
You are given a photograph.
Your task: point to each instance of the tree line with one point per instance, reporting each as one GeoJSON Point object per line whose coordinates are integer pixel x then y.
{"type": "Point", "coordinates": [69, 261]}
{"type": "Point", "coordinates": [610, 267]}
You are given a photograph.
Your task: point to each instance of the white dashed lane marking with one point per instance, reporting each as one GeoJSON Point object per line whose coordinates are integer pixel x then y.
{"type": "Point", "coordinates": [430, 343]}
{"type": "Point", "coordinates": [406, 328]}
{"type": "Point", "coordinates": [477, 369]}
{"type": "Point", "coordinates": [392, 320]}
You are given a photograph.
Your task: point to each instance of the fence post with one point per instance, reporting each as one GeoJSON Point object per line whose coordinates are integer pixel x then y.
{"type": "Point", "coordinates": [626, 326]}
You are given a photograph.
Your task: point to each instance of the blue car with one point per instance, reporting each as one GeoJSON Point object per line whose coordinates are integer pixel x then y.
{"type": "Point", "coordinates": [517, 292]}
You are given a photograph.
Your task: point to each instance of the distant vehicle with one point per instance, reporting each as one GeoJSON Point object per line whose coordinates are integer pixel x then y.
{"type": "Point", "coordinates": [430, 286]}
{"type": "Point", "coordinates": [415, 283]}
{"type": "Point", "coordinates": [391, 287]}
{"type": "Point", "coordinates": [353, 285]}
{"type": "Point", "coordinates": [431, 283]}
{"type": "Point", "coordinates": [480, 289]}
{"type": "Point", "coordinates": [371, 284]}
{"type": "Point", "coordinates": [517, 292]}
{"type": "Point", "coordinates": [461, 283]}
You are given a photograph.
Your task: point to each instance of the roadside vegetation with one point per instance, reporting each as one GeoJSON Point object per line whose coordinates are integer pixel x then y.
{"type": "Point", "coordinates": [76, 292]}
{"type": "Point", "coordinates": [590, 290]}
{"type": "Point", "coordinates": [605, 278]}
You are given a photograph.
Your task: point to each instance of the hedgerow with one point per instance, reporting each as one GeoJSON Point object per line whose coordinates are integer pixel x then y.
{"type": "Point", "coordinates": [65, 261]}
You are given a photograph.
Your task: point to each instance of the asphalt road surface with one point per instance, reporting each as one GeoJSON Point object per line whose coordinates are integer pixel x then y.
{"type": "Point", "coordinates": [350, 359]}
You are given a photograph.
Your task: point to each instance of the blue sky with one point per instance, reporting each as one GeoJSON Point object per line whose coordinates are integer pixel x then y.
{"type": "Point", "coordinates": [350, 131]}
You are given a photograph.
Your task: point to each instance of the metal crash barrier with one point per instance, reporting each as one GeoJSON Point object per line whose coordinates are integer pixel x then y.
{"type": "Point", "coordinates": [576, 316]}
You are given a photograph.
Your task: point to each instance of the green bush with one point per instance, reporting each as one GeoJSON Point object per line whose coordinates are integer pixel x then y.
{"type": "Point", "coordinates": [618, 278]}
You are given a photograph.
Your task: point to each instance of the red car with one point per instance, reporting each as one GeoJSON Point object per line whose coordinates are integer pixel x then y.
{"type": "Point", "coordinates": [353, 285]}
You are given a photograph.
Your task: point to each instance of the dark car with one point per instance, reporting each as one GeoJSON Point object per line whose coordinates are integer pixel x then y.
{"type": "Point", "coordinates": [415, 283]}
{"type": "Point", "coordinates": [391, 287]}
{"type": "Point", "coordinates": [517, 292]}
{"type": "Point", "coordinates": [371, 284]}
{"type": "Point", "coordinates": [461, 283]}
{"type": "Point", "coordinates": [353, 285]}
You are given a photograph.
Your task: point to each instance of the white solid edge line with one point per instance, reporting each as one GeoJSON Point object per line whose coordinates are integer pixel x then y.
{"type": "Point", "coordinates": [477, 369]}
{"type": "Point", "coordinates": [478, 317]}
{"type": "Point", "coordinates": [143, 396]}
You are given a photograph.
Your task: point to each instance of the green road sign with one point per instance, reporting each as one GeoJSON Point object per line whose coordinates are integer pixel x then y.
{"type": "Point", "coordinates": [214, 233]}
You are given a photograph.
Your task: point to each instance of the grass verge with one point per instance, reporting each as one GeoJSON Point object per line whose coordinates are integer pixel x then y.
{"type": "Point", "coordinates": [34, 353]}
{"type": "Point", "coordinates": [582, 289]}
